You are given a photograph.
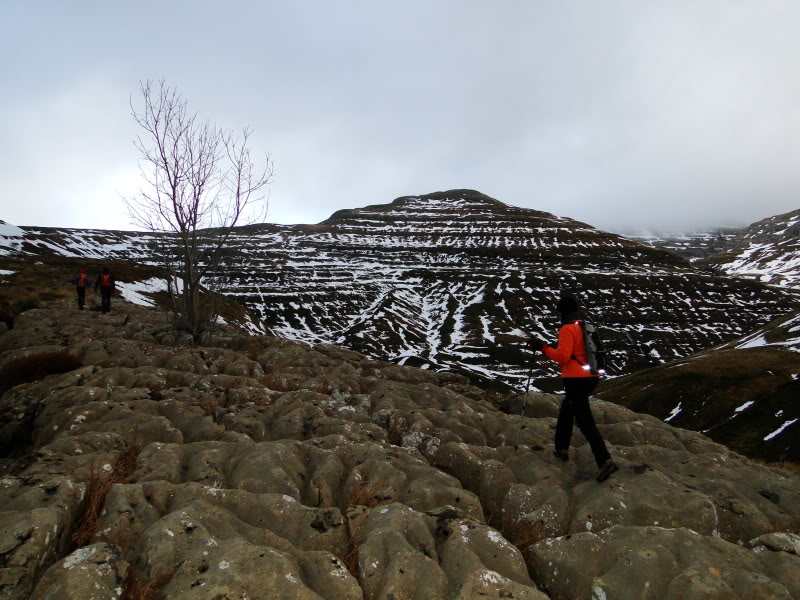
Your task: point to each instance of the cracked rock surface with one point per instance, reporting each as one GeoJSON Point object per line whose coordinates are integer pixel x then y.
{"type": "Point", "coordinates": [262, 468]}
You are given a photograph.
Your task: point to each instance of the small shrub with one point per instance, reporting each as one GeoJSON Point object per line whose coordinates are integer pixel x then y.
{"type": "Point", "coordinates": [35, 367]}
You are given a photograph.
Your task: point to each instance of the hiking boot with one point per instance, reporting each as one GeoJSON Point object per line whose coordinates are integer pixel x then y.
{"type": "Point", "coordinates": [607, 469]}
{"type": "Point", "coordinates": [561, 455]}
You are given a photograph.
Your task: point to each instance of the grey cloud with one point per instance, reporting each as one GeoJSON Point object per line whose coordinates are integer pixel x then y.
{"type": "Point", "coordinates": [621, 114]}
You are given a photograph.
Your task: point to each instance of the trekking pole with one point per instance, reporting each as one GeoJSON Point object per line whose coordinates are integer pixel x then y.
{"type": "Point", "coordinates": [524, 403]}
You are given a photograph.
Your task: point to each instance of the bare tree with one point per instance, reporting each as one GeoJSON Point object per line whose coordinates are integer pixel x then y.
{"type": "Point", "coordinates": [200, 181]}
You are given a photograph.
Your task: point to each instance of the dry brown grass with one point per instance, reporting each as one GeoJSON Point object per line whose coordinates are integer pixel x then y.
{"type": "Point", "coordinates": [529, 534]}
{"type": "Point", "coordinates": [568, 515]}
{"type": "Point", "coordinates": [136, 589]}
{"type": "Point", "coordinates": [97, 487]}
{"type": "Point", "coordinates": [793, 468]}
{"type": "Point", "coordinates": [365, 493]}
{"type": "Point", "coordinates": [786, 524]}
{"type": "Point", "coordinates": [253, 352]}
{"type": "Point", "coordinates": [351, 558]}
{"type": "Point", "coordinates": [397, 428]}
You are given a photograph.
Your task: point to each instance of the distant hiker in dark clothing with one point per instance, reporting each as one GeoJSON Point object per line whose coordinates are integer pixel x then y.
{"type": "Point", "coordinates": [579, 383]}
{"type": "Point", "coordinates": [105, 282]}
{"type": "Point", "coordinates": [81, 282]}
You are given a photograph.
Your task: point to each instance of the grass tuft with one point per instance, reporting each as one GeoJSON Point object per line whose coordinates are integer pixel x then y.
{"type": "Point", "coordinates": [97, 487]}
{"type": "Point", "coordinates": [351, 558]}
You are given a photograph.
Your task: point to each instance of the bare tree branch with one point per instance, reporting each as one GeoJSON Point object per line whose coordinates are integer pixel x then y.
{"type": "Point", "coordinates": [199, 182]}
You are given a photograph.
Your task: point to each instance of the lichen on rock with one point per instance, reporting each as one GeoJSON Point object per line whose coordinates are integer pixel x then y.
{"type": "Point", "coordinates": [266, 468]}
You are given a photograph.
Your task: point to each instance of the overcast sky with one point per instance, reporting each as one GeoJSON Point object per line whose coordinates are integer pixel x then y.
{"type": "Point", "coordinates": [625, 115]}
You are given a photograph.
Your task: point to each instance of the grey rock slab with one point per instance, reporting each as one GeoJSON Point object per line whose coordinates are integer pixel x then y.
{"type": "Point", "coordinates": [397, 555]}
{"type": "Point", "coordinates": [95, 572]}
{"type": "Point", "coordinates": [236, 568]}
{"type": "Point", "coordinates": [777, 542]}
{"type": "Point", "coordinates": [35, 527]}
{"type": "Point", "coordinates": [653, 562]}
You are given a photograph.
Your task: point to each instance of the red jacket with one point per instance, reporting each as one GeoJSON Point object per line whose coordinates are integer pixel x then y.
{"type": "Point", "coordinates": [570, 343]}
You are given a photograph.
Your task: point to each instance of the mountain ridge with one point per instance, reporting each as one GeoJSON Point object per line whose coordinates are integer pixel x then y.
{"type": "Point", "coordinates": [458, 280]}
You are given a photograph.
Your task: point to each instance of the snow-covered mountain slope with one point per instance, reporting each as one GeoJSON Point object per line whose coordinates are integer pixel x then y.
{"type": "Point", "coordinates": [458, 280]}
{"type": "Point", "coordinates": [10, 238]}
{"type": "Point", "coordinates": [768, 250]}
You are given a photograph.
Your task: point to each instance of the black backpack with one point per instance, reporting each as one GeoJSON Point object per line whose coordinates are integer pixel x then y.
{"type": "Point", "coordinates": [595, 351]}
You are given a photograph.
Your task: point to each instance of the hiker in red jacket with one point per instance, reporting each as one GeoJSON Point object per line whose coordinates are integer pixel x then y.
{"type": "Point", "coordinates": [579, 383]}
{"type": "Point", "coordinates": [81, 282]}
{"type": "Point", "coordinates": [105, 282]}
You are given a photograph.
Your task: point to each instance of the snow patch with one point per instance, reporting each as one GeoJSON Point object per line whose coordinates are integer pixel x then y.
{"type": "Point", "coordinates": [780, 429]}
{"type": "Point", "coordinates": [674, 413]}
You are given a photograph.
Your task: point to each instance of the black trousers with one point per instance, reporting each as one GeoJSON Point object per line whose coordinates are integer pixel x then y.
{"type": "Point", "coordinates": [575, 407]}
{"type": "Point", "coordinates": [105, 299]}
{"type": "Point", "coordinates": [81, 296]}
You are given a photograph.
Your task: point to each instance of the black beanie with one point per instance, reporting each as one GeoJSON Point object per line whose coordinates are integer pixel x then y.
{"type": "Point", "coordinates": [567, 305]}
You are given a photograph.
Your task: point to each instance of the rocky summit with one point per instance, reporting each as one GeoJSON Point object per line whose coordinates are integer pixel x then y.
{"type": "Point", "coordinates": [456, 281]}
{"type": "Point", "coordinates": [140, 465]}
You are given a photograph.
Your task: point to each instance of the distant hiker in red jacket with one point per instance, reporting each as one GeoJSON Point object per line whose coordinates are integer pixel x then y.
{"type": "Point", "coordinates": [105, 282]}
{"type": "Point", "coordinates": [81, 282]}
{"type": "Point", "coordinates": [579, 383]}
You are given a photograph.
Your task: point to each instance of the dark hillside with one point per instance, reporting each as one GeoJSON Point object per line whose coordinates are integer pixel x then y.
{"type": "Point", "coordinates": [744, 395]}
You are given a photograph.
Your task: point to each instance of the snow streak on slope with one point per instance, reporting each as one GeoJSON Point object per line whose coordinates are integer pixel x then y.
{"type": "Point", "coordinates": [785, 334]}
{"type": "Point", "coordinates": [768, 250]}
{"type": "Point", "coordinates": [458, 280]}
{"type": "Point", "coordinates": [10, 238]}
